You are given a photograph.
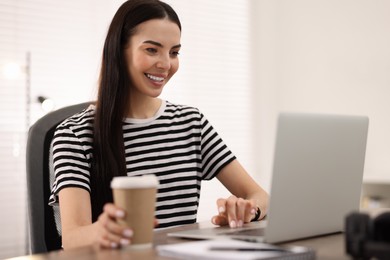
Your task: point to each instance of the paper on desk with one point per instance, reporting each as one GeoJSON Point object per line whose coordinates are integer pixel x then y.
{"type": "Point", "coordinates": [201, 250]}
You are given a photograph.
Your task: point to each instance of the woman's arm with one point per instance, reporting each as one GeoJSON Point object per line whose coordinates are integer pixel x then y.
{"type": "Point", "coordinates": [247, 196]}
{"type": "Point", "coordinates": [76, 222]}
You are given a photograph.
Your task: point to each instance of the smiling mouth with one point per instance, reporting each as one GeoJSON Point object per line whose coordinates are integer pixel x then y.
{"type": "Point", "coordinates": [154, 78]}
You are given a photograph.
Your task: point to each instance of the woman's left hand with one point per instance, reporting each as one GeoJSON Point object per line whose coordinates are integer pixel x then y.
{"type": "Point", "coordinates": [234, 212]}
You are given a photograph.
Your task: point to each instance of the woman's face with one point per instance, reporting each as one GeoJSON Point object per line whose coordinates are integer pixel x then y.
{"type": "Point", "coordinates": [152, 56]}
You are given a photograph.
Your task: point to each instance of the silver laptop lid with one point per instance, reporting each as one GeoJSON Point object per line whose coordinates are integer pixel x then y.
{"type": "Point", "coordinates": [317, 174]}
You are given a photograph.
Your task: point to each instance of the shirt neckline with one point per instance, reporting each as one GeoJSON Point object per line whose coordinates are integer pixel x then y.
{"type": "Point", "coordinates": [159, 112]}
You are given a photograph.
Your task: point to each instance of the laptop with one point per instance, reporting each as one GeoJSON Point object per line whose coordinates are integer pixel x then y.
{"type": "Point", "coordinates": [316, 180]}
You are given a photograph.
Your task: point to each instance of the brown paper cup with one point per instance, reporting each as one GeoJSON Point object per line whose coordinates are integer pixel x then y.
{"type": "Point", "coordinates": [137, 195]}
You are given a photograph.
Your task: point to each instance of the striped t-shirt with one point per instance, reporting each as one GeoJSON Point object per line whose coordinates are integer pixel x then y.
{"type": "Point", "coordinates": [178, 145]}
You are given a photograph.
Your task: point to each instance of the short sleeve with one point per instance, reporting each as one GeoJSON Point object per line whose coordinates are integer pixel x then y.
{"type": "Point", "coordinates": [215, 153]}
{"type": "Point", "coordinates": [70, 161]}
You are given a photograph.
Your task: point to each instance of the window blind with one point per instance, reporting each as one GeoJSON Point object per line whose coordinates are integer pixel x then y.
{"type": "Point", "coordinates": [63, 39]}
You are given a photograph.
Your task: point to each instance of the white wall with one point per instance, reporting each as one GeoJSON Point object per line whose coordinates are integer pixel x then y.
{"type": "Point", "coordinates": [327, 56]}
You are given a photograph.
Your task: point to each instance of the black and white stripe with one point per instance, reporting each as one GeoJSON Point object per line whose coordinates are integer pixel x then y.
{"type": "Point", "coordinates": [178, 145]}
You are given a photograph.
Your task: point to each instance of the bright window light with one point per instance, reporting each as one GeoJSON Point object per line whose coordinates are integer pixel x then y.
{"type": "Point", "coordinates": [12, 70]}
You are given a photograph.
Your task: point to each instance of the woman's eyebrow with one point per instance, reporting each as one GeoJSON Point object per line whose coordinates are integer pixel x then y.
{"type": "Point", "coordinates": [160, 45]}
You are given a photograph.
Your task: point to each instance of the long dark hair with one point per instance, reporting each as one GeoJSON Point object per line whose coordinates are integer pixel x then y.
{"type": "Point", "coordinates": [113, 96]}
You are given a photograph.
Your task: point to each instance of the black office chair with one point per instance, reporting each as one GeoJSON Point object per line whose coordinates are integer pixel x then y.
{"type": "Point", "coordinates": [43, 232]}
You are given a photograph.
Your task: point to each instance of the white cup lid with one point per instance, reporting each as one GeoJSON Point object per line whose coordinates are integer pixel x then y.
{"type": "Point", "coordinates": [126, 182]}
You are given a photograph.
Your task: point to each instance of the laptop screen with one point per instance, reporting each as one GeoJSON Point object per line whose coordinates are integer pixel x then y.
{"type": "Point", "coordinates": [317, 174]}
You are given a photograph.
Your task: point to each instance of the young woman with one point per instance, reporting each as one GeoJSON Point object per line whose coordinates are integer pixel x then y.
{"type": "Point", "coordinates": [130, 131]}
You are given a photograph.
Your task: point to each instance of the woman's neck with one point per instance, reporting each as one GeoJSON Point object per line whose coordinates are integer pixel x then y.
{"type": "Point", "coordinates": [143, 108]}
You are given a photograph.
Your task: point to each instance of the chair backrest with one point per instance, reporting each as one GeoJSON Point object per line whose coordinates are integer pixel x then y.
{"type": "Point", "coordinates": [43, 232]}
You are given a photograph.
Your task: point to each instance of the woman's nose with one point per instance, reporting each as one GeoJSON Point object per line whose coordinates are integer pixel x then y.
{"type": "Point", "coordinates": [164, 62]}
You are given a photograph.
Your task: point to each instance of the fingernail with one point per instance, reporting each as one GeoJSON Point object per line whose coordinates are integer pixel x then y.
{"type": "Point", "coordinates": [128, 233]}
{"type": "Point", "coordinates": [120, 213]}
{"type": "Point", "coordinates": [213, 221]}
{"type": "Point", "coordinates": [240, 223]}
{"type": "Point", "coordinates": [124, 242]}
{"type": "Point", "coordinates": [233, 224]}
{"type": "Point", "coordinates": [114, 245]}
{"type": "Point", "coordinates": [221, 209]}
{"type": "Point", "coordinates": [253, 211]}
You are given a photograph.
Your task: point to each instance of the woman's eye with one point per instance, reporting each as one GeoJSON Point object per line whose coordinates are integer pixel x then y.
{"type": "Point", "coordinates": [175, 53]}
{"type": "Point", "coordinates": [151, 50]}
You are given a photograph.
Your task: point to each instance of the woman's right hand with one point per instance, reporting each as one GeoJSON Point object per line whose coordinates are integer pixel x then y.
{"type": "Point", "coordinates": [110, 233]}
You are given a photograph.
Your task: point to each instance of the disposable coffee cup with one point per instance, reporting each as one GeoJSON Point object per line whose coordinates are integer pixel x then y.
{"type": "Point", "coordinates": [137, 195]}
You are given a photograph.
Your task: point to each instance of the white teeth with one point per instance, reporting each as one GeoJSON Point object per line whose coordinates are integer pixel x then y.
{"type": "Point", "coordinates": [154, 77]}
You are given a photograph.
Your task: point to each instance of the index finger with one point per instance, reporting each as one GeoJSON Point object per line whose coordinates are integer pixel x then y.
{"type": "Point", "coordinates": [113, 211]}
{"type": "Point", "coordinates": [221, 204]}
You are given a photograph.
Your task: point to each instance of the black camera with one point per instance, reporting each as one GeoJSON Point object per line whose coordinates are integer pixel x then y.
{"type": "Point", "coordinates": [367, 237]}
